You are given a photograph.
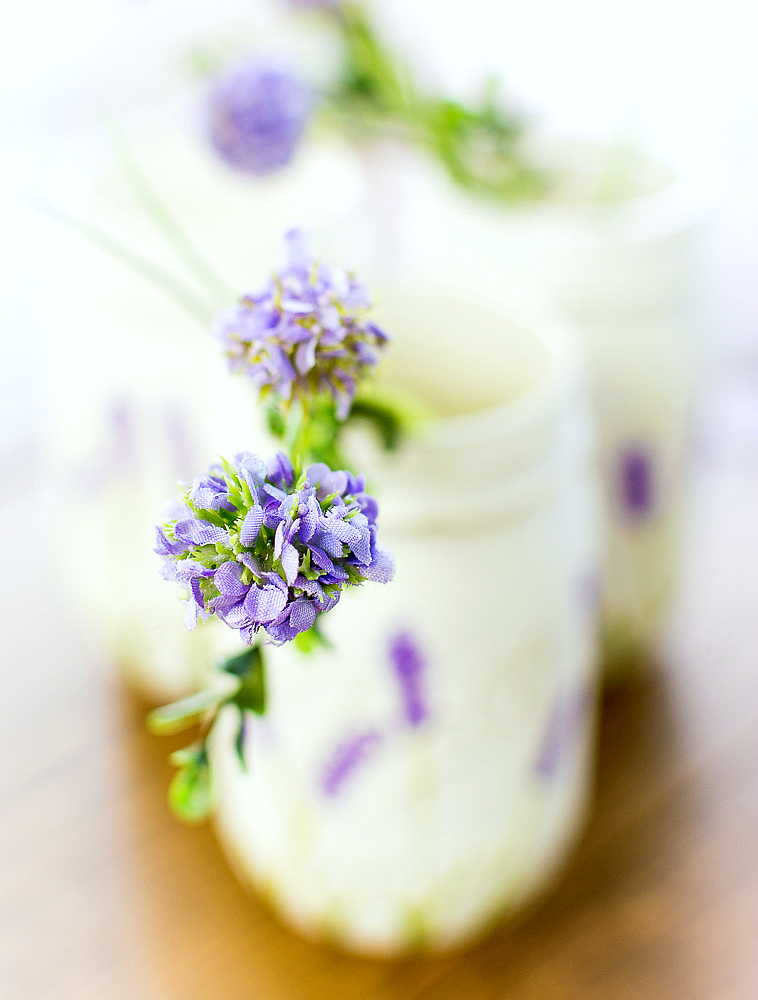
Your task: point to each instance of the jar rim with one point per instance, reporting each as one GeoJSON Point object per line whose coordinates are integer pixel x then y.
{"type": "Point", "coordinates": [564, 375]}
{"type": "Point", "coordinates": [690, 196]}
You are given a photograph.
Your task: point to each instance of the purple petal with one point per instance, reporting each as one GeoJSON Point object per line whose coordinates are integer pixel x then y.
{"type": "Point", "coordinates": [305, 356]}
{"type": "Point", "coordinates": [368, 505]}
{"type": "Point", "coordinates": [227, 579]}
{"type": "Point", "coordinates": [251, 468]}
{"type": "Point", "coordinates": [264, 604]}
{"type": "Point", "coordinates": [197, 593]}
{"type": "Point", "coordinates": [199, 532]}
{"type": "Point", "coordinates": [381, 569]}
{"type": "Point", "coordinates": [332, 482]}
{"type": "Point", "coordinates": [311, 587]}
{"type": "Point", "coordinates": [165, 547]}
{"type": "Point", "coordinates": [235, 616]}
{"type": "Point", "coordinates": [249, 560]}
{"type": "Point", "coordinates": [321, 559]}
{"type": "Point", "coordinates": [280, 471]}
{"type": "Point", "coordinates": [251, 526]}
{"type": "Point", "coordinates": [302, 615]}
{"type": "Point", "coordinates": [295, 306]}
{"type": "Point", "coordinates": [358, 539]}
{"type": "Point", "coordinates": [331, 546]}
{"type": "Point", "coordinates": [316, 473]}
{"type": "Point", "coordinates": [290, 561]}
{"type": "Point", "coordinates": [188, 569]}
{"type": "Point", "coordinates": [279, 540]}
{"type": "Point", "coordinates": [309, 519]}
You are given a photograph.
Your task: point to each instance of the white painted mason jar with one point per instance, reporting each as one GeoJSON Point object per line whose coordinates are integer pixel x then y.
{"type": "Point", "coordinates": [614, 246]}
{"type": "Point", "coordinates": [428, 773]}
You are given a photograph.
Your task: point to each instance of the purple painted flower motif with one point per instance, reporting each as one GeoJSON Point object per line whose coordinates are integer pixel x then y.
{"type": "Point", "coordinates": [258, 114]}
{"type": "Point", "coordinates": [636, 481]}
{"type": "Point", "coordinates": [408, 664]}
{"type": "Point", "coordinates": [347, 755]}
{"type": "Point", "coordinates": [305, 333]}
{"type": "Point", "coordinates": [261, 548]}
{"type": "Point", "coordinates": [564, 721]}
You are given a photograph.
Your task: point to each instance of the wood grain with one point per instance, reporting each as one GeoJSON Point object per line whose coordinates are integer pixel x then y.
{"type": "Point", "coordinates": [105, 895]}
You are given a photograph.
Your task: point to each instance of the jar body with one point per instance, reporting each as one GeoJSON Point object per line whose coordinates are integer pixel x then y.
{"type": "Point", "coordinates": [625, 272]}
{"type": "Point", "coordinates": [428, 772]}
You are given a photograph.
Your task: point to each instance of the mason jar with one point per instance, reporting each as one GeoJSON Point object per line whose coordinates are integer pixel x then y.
{"type": "Point", "coordinates": [428, 772]}
{"type": "Point", "coordinates": [614, 244]}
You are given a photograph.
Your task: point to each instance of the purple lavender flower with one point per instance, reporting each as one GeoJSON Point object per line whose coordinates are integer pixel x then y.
{"type": "Point", "coordinates": [304, 334]}
{"type": "Point", "coordinates": [348, 754]}
{"type": "Point", "coordinates": [258, 114]}
{"type": "Point", "coordinates": [262, 549]}
{"type": "Point", "coordinates": [408, 664]}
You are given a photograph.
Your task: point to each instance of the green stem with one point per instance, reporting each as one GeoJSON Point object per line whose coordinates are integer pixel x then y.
{"type": "Point", "coordinates": [167, 225]}
{"type": "Point", "coordinates": [140, 265]}
{"type": "Point", "coordinates": [299, 449]}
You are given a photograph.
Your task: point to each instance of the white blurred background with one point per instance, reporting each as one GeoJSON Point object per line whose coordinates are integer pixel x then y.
{"type": "Point", "coordinates": [677, 78]}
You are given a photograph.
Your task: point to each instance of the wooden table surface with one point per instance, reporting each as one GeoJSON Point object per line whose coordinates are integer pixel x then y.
{"type": "Point", "coordinates": [104, 895]}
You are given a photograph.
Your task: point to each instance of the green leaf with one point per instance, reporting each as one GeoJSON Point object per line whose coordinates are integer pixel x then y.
{"type": "Point", "coordinates": [180, 715]}
{"type": "Point", "coordinates": [134, 261]}
{"type": "Point", "coordinates": [275, 420]}
{"type": "Point", "coordinates": [251, 694]}
{"type": "Point", "coordinates": [191, 792]}
{"type": "Point", "coordinates": [383, 418]}
{"type": "Point", "coordinates": [242, 662]}
{"type": "Point", "coordinates": [239, 743]}
{"type": "Point", "coordinates": [313, 638]}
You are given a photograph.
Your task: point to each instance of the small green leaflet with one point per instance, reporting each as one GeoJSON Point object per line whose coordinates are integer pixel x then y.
{"type": "Point", "coordinates": [191, 792]}
{"type": "Point", "coordinates": [180, 715]}
{"type": "Point", "coordinates": [248, 666]}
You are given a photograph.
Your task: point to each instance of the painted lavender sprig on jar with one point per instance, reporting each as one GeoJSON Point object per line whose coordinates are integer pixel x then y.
{"type": "Point", "coordinates": [306, 334]}
{"type": "Point", "coordinates": [267, 551]}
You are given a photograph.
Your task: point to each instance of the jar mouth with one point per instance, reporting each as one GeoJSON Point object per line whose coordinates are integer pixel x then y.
{"type": "Point", "coordinates": [609, 192]}
{"type": "Point", "coordinates": [487, 371]}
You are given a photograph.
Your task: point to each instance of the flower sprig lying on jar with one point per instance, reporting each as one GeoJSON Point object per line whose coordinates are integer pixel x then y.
{"type": "Point", "coordinates": [259, 113]}
{"type": "Point", "coordinates": [268, 548]}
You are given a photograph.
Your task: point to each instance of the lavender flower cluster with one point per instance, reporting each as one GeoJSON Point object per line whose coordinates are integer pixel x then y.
{"type": "Point", "coordinates": [261, 550]}
{"type": "Point", "coordinates": [306, 333]}
{"type": "Point", "coordinates": [258, 114]}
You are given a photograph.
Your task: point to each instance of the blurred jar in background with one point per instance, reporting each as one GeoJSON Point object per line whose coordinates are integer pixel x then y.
{"type": "Point", "coordinates": [136, 392]}
{"type": "Point", "coordinates": [429, 772]}
{"type": "Point", "coordinates": [614, 245]}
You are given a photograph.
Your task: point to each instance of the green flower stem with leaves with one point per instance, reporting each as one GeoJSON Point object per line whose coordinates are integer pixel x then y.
{"type": "Point", "coordinates": [309, 430]}
{"type": "Point", "coordinates": [377, 96]}
{"type": "Point", "coordinates": [191, 791]}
